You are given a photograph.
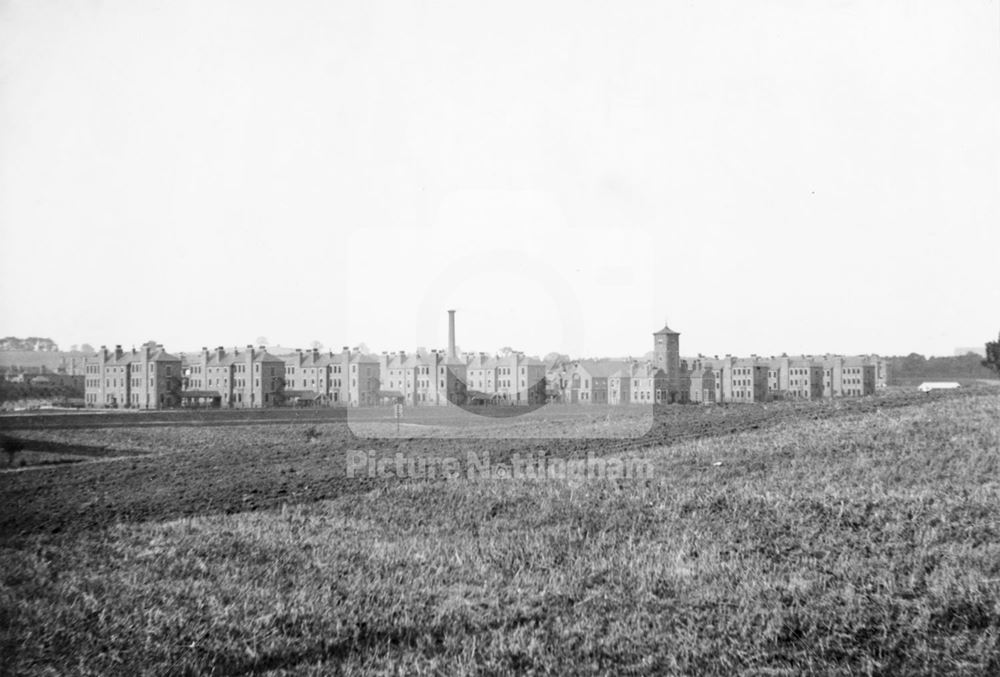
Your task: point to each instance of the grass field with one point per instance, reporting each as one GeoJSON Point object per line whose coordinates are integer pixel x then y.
{"type": "Point", "coordinates": [824, 539]}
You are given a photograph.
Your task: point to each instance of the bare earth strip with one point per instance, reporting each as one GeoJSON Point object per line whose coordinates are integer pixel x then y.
{"type": "Point", "coordinates": [190, 469]}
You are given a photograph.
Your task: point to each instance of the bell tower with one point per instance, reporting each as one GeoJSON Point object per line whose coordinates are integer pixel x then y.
{"type": "Point", "coordinates": [667, 356]}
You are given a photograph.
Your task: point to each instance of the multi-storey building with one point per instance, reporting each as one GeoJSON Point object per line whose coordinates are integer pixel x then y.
{"type": "Point", "coordinates": [525, 379]}
{"type": "Point", "coordinates": [590, 380]}
{"type": "Point", "coordinates": [666, 357]}
{"type": "Point", "coordinates": [314, 377]}
{"type": "Point", "coordinates": [851, 377]}
{"type": "Point", "coordinates": [800, 377]}
{"type": "Point", "coordinates": [615, 382]}
{"type": "Point", "coordinates": [251, 379]}
{"type": "Point", "coordinates": [841, 376]}
{"type": "Point", "coordinates": [739, 380]}
{"type": "Point", "coordinates": [347, 378]}
{"type": "Point", "coordinates": [702, 384]}
{"type": "Point", "coordinates": [620, 386]}
{"type": "Point", "coordinates": [423, 378]}
{"type": "Point", "coordinates": [650, 384]}
{"type": "Point", "coordinates": [148, 378]}
{"type": "Point", "coordinates": [804, 380]}
{"type": "Point", "coordinates": [512, 379]}
{"type": "Point", "coordinates": [363, 382]}
{"type": "Point", "coordinates": [480, 370]}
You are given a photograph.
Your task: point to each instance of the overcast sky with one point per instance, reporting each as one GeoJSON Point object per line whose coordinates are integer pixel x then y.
{"type": "Point", "coordinates": [766, 176]}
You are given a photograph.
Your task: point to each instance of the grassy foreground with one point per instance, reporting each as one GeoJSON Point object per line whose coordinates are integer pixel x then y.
{"type": "Point", "coordinates": [868, 544]}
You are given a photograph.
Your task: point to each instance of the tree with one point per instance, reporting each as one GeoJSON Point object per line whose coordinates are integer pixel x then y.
{"type": "Point", "coordinates": [279, 393]}
{"type": "Point", "coordinates": [175, 386]}
{"type": "Point", "coordinates": [556, 357]}
{"type": "Point", "coordinates": [317, 345]}
{"type": "Point", "coordinates": [87, 348]}
{"type": "Point", "coordinates": [262, 341]}
{"type": "Point", "coordinates": [11, 445]}
{"type": "Point", "coordinates": [914, 364]}
{"type": "Point", "coordinates": [992, 360]}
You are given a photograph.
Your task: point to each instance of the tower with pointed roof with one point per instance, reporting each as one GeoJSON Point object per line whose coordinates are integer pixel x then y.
{"type": "Point", "coordinates": [667, 357]}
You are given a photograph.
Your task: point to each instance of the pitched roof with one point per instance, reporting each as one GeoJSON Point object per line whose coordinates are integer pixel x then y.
{"type": "Point", "coordinates": [477, 361]}
{"type": "Point", "coordinates": [235, 357]}
{"type": "Point", "coordinates": [603, 368]}
{"type": "Point", "coordinates": [666, 330]}
{"type": "Point", "coordinates": [128, 357]}
{"type": "Point", "coordinates": [645, 370]}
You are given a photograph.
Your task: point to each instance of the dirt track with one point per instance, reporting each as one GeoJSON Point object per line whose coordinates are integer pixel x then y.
{"type": "Point", "coordinates": [265, 463]}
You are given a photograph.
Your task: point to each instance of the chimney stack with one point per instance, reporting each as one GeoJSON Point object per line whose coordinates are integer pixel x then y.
{"type": "Point", "coordinates": [451, 333]}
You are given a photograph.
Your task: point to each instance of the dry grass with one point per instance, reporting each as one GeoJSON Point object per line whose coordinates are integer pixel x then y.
{"type": "Point", "coordinates": [860, 545]}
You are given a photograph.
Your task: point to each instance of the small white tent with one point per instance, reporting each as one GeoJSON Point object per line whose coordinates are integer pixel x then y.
{"type": "Point", "coordinates": [928, 386]}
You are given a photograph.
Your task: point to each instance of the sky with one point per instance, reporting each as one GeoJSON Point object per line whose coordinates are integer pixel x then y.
{"type": "Point", "coordinates": [765, 177]}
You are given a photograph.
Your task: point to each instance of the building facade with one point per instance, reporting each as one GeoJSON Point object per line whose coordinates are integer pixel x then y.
{"type": "Point", "coordinates": [424, 378]}
{"type": "Point", "coordinates": [666, 357]}
{"type": "Point", "coordinates": [247, 379]}
{"type": "Point", "coordinates": [148, 378]}
{"type": "Point", "coordinates": [347, 379]}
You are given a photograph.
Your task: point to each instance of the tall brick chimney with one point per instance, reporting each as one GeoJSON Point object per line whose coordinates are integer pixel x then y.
{"type": "Point", "coordinates": [451, 333]}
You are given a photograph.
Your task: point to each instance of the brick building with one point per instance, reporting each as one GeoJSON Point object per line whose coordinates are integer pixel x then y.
{"type": "Point", "coordinates": [702, 385]}
{"type": "Point", "coordinates": [348, 378]}
{"type": "Point", "coordinates": [666, 357]}
{"type": "Point", "coordinates": [248, 379]}
{"type": "Point", "coordinates": [148, 378]}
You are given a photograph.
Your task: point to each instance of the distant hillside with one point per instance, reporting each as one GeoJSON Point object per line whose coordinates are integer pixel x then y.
{"type": "Point", "coordinates": [34, 359]}
{"type": "Point", "coordinates": [30, 343]}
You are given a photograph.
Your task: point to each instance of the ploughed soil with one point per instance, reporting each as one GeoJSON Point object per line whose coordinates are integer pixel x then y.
{"type": "Point", "coordinates": [166, 465]}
